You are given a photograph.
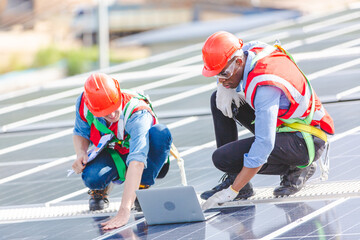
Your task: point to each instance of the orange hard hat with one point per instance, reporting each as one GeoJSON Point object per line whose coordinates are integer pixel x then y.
{"type": "Point", "coordinates": [218, 50]}
{"type": "Point", "coordinates": [102, 94]}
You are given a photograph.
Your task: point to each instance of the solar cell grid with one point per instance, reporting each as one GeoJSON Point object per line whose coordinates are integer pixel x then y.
{"type": "Point", "coordinates": [39, 178]}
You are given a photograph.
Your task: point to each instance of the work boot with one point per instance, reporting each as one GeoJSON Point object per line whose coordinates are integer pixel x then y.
{"type": "Point", "coordinates": [98, 198]}
{"type": "Point", "coordinates": [226, 180]}
{"type": "Point", "coordinates": [294, 180]}
{"type": "Point", "coordinates": [137, 206]}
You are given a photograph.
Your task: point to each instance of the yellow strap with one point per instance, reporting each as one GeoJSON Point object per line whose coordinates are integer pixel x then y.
{"type": "Point", "coordinates": [174, 151]}
{"type": "Point", "coordinates": [309, 129]}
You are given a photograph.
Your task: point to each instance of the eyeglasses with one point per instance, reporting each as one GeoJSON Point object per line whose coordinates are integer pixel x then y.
{"type": "Point", "coordinates": [228, 72]}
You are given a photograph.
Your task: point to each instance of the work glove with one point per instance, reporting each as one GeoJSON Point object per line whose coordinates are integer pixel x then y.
{"type": "Point", "coordinates": [222, 196]}
{"type": "Point", "coordinates": [225, 97]}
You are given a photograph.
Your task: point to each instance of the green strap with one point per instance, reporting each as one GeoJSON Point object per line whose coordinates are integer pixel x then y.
{"type": "Point", "coordinates": [147, 100]}
{"type": "Point", "coordinates": [307, 137]}
{"type": "Point", "coordinates": [119, 163]}
{"type": "Point", "coordinates": [307, 121]}
{"type": "Point", "coordinates": [308, 140]}
{"type": "Point", "coordinates": [98, 125]}
{"type": "Point", "coordinates": [309, 118]}
{"type": "Point", "coordinates": [126, 142]}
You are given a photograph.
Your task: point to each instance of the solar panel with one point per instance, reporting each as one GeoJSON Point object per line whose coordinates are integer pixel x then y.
{"type": "Point", "coordinates": [36, 147]}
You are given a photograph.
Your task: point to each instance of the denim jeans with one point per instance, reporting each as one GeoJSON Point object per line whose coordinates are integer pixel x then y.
{"type": "Point", "coordinates": [102, 170]}
{"type": "Point", "coordinates": [289, 150]}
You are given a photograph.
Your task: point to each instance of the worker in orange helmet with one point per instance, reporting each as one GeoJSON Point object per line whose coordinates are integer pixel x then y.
{"type": "Point", "coordinates": [137, 153]}
{"type": "Point", "coordinates": [262, 88]}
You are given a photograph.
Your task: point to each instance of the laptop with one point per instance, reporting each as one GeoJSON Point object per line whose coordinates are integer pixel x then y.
{"type": "Point", "coordinates": [171, 205]}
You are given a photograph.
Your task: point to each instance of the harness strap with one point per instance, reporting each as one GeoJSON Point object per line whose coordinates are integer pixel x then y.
{"type": "Point", "coordinates": [98, 125]}
{"type": "Point", "coordinates": [306, 128]}
{"type": "Point", "coordinates": [119, 163]}
{"type": "Point", "coordinates": [128, 109]}
{"type": "Point", "coordinates": [104, 129]}
{"type": "Point", "coordinates": [265, 52]}
{"type": "Point", "coordinates": [305, 122]}
{"type": "Point", "coordinates": [297, 124]}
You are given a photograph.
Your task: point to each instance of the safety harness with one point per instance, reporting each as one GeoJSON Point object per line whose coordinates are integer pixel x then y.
{"type": "Point", "coordinates": [297, 124]}
{"type": "Point", "coordinates": [127, 112]}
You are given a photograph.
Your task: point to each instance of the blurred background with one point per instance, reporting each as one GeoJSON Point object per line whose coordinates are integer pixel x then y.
{"type": "Point", "coordinates": [42, 41]}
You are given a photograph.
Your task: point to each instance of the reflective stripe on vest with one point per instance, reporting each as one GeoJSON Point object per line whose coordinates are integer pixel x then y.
{"type": "Point", "coordinates": [293, 84]}
{"type": "Point", "coordinates": [293, 94]}
{"type": "Point", "coordinates": [296, 119]}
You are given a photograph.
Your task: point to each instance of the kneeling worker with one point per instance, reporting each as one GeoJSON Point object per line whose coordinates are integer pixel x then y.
{"type": "Point", "coordinates": [137, 154]}
{"type": "Point", "coordinates": [261, 87]}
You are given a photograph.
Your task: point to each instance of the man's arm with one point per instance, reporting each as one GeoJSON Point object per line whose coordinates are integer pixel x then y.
{"type": "Point", "coordinates": [266, 109]}
{"type": "Point", "coordinates": [81, 140]}
{"type": "Point", "coordinates": [245, 175]}
{"type": "Point", "coordinates": [138, 128]}
{"type": "Point", "coordinates": [132, 182]}
{"type": "Point", "coordinates": [266, 103]}
{"type": "Point", "coordinates": [81, 146]}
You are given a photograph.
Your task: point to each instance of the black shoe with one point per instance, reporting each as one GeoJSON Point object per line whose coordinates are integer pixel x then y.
{"type": "Point", "coordinates": [294, 180]}
{"type": "Point", "coordinates": [246, 192]}
{"type": "Point", "coordinates": [226, 180]}
{"type": "Point", "coordinates": [137, 206]}
{"type": "Point", "coordinates": [98, 198]}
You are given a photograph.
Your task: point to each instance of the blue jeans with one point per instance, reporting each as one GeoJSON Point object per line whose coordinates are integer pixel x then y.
{"type": "Point", "coordinates": [102, 170]}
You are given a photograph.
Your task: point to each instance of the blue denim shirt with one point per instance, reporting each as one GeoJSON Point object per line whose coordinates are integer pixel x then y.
{"type": "Point", "coordinates": [268, 100]}
{"type": "Point", "coordinates": [137, 127]}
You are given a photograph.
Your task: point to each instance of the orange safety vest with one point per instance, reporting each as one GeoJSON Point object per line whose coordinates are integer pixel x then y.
{"type": "Point", "coordinates": [277, 69]}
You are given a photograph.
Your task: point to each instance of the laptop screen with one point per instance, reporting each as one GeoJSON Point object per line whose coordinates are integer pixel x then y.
{"type": "Point", "coordinates": [170, 205]}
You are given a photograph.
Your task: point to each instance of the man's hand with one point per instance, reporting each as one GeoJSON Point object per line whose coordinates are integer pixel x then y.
{"type": "Point", "coordinates": [81, 146]}
{"type": "Point", "coordinates": [80, 163]}
{"type": "Point", "coordinates": [132, 182]}
{"type": "Point", "coordinates": [225, 195]}
{"type": "Point", "coordinates": [121, 218]}
{"type": "Point", "coordinates": [225, 97]}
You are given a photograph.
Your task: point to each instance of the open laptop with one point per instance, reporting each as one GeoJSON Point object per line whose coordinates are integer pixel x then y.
{"type": "Point", "coordinates": [171, 205]}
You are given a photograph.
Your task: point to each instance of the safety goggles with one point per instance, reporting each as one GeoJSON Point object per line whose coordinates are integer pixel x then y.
{"type": "Point", "coordinates": [228, 72]}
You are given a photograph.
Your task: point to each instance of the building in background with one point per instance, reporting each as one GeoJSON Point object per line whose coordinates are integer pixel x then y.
{"type": "Point", "coordinates": [28, 26]}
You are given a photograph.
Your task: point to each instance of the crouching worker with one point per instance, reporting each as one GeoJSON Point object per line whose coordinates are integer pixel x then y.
{"type": "Point", "coordinates": [279, 107]}
{"type": "Point", "coordinates": [137, 154]}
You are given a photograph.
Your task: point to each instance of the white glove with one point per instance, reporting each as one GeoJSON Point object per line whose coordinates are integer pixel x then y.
{"type": "Point", "coordinates": [224, 195]}
{"type": "Point", "coordinates": [224, 98]}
